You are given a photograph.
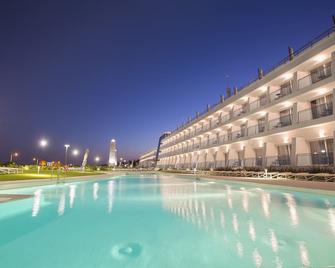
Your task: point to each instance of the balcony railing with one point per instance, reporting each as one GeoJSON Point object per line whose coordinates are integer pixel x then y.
{"type": "Point", "coordinates": [315, 112]}
{"type": "Point", "coordinates": [313, 78]}
{"type": "Point", "coordinates": [317, 159]}
{"type": "Point", "coordinates": [280, 122]}
{"type": "Point", "coordinates": [283, 160]}
{"type": "Point", "coordinates": [280, 93]}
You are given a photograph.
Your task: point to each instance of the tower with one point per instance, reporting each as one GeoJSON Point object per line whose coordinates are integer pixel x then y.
{"type": "Point", "coordinates": [112, 154]}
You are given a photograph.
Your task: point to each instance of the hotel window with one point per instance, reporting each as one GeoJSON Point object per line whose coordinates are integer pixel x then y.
{"type": "Point", "coordinates": [259, 156]}
{"type": "Point", "coordinates": [240, 156]}
{"type": "Point", "coordinates": [322, 106]}
{"type": "Point", "coordinates": [322, 152]}
{"type": "Point", "coordinates": [285, 117]}
{"type": "Point", "coordinates": [284, 152]}
{"type": "Point", "coordinates": [229, 134]}
{"type": "Point", "coordinates": [261, 124]}
{"type": "Point", "coordinates": [262, 100]}
{"type": "Point", "coordinates": [321, 72]}
{"type": "Point", "coordinates": [244, 107]}
{"type": "Point", "coordinates": [243, 130]}
{"type": "Point", "coordinates": [286, 88]}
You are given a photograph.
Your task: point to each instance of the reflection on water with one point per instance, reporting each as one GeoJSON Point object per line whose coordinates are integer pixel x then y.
{"type": "Point", "coordinates": [110, 195]}
{"type": "Point", "coordinates": [260, 227]}
{"type": "Point", "coordinates": [95, 190]}
{"type": "Point", "coordinates": [246, 216]}
{"type": "Point", "coordinates": [292, 208]}
{"type": "Point", "coordinates": [61, 204]}
{"type": "Point", "coordinates": [36, 203]}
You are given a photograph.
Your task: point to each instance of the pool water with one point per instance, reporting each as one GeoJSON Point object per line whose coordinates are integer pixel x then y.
{"type": "Point", "coordinates": [166, 221]}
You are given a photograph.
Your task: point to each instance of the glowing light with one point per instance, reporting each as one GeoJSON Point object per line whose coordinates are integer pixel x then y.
{"type": "Point", "coordinates": [319, 58]}
{"type": "Point", "coordinates": [322, 133]}
{"type": "Point", "coordinates": [257, 258]}
{"type": "Point", "coordinates": [75, 152]}
{"type": "Point", "coordinates": [95, 191]}
{"type": "Point", "coordinates": [97, 159]}
{"type": "Point", "coordinates": [37, 202]}
{"type": "Point", "coordinates": [287, 76]}
{"type": "Point", "coordinates": [252, 231]}
{"type": "Point", "coordinates": [286, 140]}
{"type": "Point", "coordinates": [43, 142]}
{"type": "Point", "coordinates": [110, 195]}
{"type": "Point", "coordinates": [61, 204]}
{"type": "Point", "coordinates": [304, 254]}
{"type": "Point", "coordinates": [261, 113]}
{"type": "Point", "coordinates": [292, 209]}
{"type": "Point", "coordinates": [72, 194]}
{"type": "Point", "coordinates": [16, 154]}
{"type": "Point", "coordinates": [274, 241]}
{"type": "Point", "coordinates": [263, 89]}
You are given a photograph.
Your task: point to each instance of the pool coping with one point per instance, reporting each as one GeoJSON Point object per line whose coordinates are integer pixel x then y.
{"type": "Point", "coordinates": [305, 186]}
{"type": "Point", "coordinates": [310, 186]}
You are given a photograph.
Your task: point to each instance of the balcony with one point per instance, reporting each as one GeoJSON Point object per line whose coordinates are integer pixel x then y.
{"type": "Point", "coordinates": [280, 122]}
{"type": "Point", "coordinates": [314, 77]}
{"type": "Point", "coordinates": [283, 160]}
{"type": "Point", "coordinates": [316, 159]}
{"type": "Point", "coordinates": [318, 111]}
{"type": "Point", "coordinates": [280, 93]}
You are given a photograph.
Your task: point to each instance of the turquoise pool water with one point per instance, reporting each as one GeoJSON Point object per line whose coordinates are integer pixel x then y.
{"type": "Point", "coordinates": [165, 221]}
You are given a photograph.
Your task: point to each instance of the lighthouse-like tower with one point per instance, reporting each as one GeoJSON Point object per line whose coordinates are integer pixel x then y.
{"type": "Point", "coordinates": [112, 154]}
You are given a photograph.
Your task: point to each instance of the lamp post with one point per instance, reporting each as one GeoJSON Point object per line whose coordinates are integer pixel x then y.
{"type": "Point", "coordinates": [75, 152]}
{"type": "Point", "coordinates": [66, 149]}
{"type": "Point", "coordinates": [43, 143]}
{"type": "Point", "coordinates": [12, 155]}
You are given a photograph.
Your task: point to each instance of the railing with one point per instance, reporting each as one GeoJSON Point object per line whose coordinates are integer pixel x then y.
{"type": "Point", "coordinates": [280, 122]}
{"type": "Point", "coordinates": [280, 93]}
{"type": "Point", "coordinates": [315, 112]}
{"type": "Point", "coordinates": [254, 105]}
{"type": "Point", "coordinates": [317, 159]}
{"type": "Point", "coordinates": [284, 160]}
{"type": "Point", "coordinates": [313, 78]}
{"type": "Point", "coordinates": [285, 60]}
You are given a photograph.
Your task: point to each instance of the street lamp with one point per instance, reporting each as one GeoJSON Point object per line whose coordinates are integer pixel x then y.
{"type": "Point", "coordinates": [43, 143]}
{"type": "Point", "coordinates": [75, 152]}
{"type": "Point", "coordinates": [97, 159]}
{"type": "Point", "coordinates": [12, 155]}
{"type": "Point", "coordinates": [66, 148]}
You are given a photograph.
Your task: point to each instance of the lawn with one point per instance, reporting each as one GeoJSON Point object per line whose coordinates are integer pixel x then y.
{"type": "Point", "coordinates": [45, 174]}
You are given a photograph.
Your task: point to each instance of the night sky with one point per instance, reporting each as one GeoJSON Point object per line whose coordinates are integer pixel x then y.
{"type": "Point", "coordinates": [83, 72]}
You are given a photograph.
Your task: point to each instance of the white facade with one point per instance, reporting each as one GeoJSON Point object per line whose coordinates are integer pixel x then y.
{"type": "Point", "coordinates": [148, 159]}
{"type": "Point", "coordinates": [112, 160]}
{"type": "Point", "coordinates": [284, 118]}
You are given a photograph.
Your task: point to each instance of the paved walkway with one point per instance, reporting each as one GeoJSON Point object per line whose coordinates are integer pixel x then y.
{"type": "Point", "coordinates": [315, 185]}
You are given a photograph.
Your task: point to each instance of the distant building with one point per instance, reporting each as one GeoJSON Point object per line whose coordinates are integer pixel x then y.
{"type": "Point", "coordinates": [148, 159]}
{"type": "Point", "coordinates": [112, 154]}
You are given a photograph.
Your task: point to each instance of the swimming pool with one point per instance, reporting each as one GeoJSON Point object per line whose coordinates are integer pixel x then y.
{"type": "Point", "coordinates": [166, 221]}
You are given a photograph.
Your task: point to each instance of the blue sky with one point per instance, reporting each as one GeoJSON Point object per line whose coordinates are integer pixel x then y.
{"type": "Point", "coordinates": [83, 72]}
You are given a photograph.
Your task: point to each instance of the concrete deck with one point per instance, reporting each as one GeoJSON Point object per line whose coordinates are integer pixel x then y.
{"type": "Point", "coordinates": [311, 185]}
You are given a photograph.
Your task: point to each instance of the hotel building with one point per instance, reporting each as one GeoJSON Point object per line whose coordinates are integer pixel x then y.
{"type": "Point", "coordinates": [283, 118]}
{"type": "Point", "coordinates": [148, 159]}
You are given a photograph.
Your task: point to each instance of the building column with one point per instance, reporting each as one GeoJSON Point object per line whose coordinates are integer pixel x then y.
{"type": "Point", "coordinates": [294, 113]}
{"type": "Point", "coordinates": [333, 96]}
{"type": "Point", "coordinates": [270, 153]}
{"type": "Point", "coordinates": [295, 82]}
{"type": "Point", "coordinates": [333, 64]}
{"type": "Point", "coordinates": [268, 96]}
{"type": "Point", "coordinates": [215, 153]}
{"type": "Point", "coordinates": [334, 148]}
{"type": "Point", "coordinates": [232, 156]}
{"type": "Point", "coordinates": [249, 156]}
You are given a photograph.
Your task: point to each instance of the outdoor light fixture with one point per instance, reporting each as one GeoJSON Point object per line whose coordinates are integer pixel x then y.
{"type": "Point", "coordinates": [287, 76]}
{"type": "Point", "coordinates": [319, 58]}
{"type": "Point", "coordinates": [43, 142]}
{"type": "Point", "coordinates": [97, 159]}
{"type": "Point", "coordinates": [75, 152]}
